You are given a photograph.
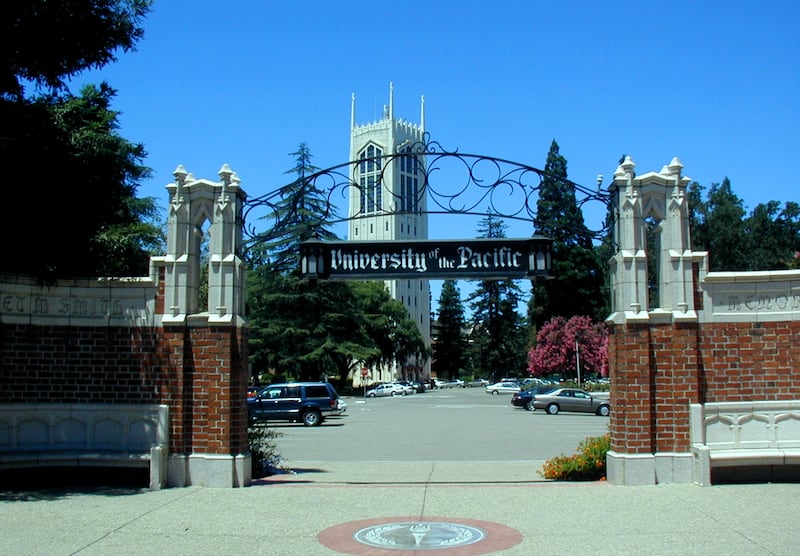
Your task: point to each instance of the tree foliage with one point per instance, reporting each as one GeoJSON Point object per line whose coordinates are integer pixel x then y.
{"type": "Point", "coordinates": [300, 213]}
{"type": "Point", "coordinates": [79, 176]}
{"type": "Point", "coordinates": [46, 42]}
{"type": "Point", "coordinates": [719, 227]}
{"type": "Point", "coordinates": [577, 284]}
{"type": "Point", "coordinates": [389, 328]}
{"type": "Point", "coordinates": [450, 345]}
{"type": "Point", "coordinates": [774, 235]}
{"type": "Point", "coordinates": [305, 329]}
{"type": "Point", "coordinates": [308, 329]}
{"type": "Point", "coordinates": [555, 351]}
{"type": "Point", "coordinates": [765, 239]}
{"type": "Point", "coordinates": [499, 334]}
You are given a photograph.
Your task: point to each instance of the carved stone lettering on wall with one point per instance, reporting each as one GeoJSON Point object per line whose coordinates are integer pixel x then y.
{"type": "Point", "coordinates": [102, 308]}
{"type": "Point", "coordinates": [77, 307]}
{"type": "Point", "coordinates": [763, 303]}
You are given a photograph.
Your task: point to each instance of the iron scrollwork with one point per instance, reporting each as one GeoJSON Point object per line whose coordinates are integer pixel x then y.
{"type": "Point", "coordinates": [474, 185]}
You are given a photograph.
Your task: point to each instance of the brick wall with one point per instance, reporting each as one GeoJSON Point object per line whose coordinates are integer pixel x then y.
{"type": "Point", "coordinates": [198, 370]}
{"type": "Point", "coordinates": [80, 365]}
{"type": "Point", "coordinates": [658, 370]}
{"type": "Point", "coordinates": [751, 361]}
{"type": "Point", "coordinates": [213, 384]}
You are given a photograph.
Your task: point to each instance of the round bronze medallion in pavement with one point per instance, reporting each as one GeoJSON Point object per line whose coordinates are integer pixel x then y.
{"type": "Point", "coordinates": [411, 535]}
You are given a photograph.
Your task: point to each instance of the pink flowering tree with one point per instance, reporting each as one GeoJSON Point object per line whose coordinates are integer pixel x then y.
{"type": "Point", "coordinates": [556, 343]}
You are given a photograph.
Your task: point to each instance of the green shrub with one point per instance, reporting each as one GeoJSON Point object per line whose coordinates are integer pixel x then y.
{"type": "Point", "coordinates": [589, 464]}
{"type": "Point", "coordinates": [263, 451]}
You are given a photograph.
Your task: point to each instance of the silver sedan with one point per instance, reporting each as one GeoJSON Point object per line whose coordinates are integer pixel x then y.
{"type": "Point", "coordinates": [571, 399]}
{"type": "Point", "coordinates": [503, 388]}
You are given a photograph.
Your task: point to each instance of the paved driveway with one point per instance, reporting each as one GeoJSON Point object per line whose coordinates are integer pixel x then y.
{"type": "Point", "coordinates": [442, 425]}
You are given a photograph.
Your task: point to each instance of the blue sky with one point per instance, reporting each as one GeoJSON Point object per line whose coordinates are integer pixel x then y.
{"type": "Point", "coordinates": [715, 83]}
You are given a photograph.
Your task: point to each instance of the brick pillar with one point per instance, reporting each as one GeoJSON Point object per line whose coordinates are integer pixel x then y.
{"type": "Point", "coordinates": [676, 379]}
{"type": "Point", "coordinates": [653, 351]}
{"type": "Point", "coordinates": [219, 423]}
{"type": "Point", "coordinates": [207, 350]}
{"type": "Point", "coordinates": [632, 389]}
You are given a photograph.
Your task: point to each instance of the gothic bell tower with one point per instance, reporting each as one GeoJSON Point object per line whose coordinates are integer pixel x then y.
{"type": "Point", "coordinates": [390, 204]}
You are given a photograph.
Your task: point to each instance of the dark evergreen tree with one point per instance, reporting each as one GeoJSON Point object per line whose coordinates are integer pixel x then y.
{"type": "Point", "coordinates": [300, 212]}
{"type": "Point", "coordinates": [718, 227]}
{"type": "Point", "coordinates": [767, 239]}
{"type": "Point", "coordinates": [306, 328]}
{"type": "Point", "coordinates": [577, 284]}
{"type": "Point", "coordinates": [605, 251]}
{"type": "Point", "coordinates": [83, 176]}
{"type": "Point", "coordinates": [697, 213]}
{"type": "Point", "coordinates": [450, 343]}
{"type": "Point", "coordinates": [773, 236]}
{"type": "Point", "coordinates": [498, 336]}
{"type": "Point", "coordinates": [45, 43]}
{"type": "Point", "coordinates": [394, 336]}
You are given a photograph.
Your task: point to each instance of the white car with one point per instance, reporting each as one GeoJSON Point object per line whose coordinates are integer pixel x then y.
{"type": "Point", "coordinates": [390, 389]}
{"type": "Point", "coordinates": [408, 387]}
{"type": "Point", "coordinates": [341, 407]}
{"type": "Point", "coordinates": [503, 388]}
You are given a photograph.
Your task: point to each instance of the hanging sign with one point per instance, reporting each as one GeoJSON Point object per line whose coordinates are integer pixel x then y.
{"type": "Point", "coordinates": [485, 259]}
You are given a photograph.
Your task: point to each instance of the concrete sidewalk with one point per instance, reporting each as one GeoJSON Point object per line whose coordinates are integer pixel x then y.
{"type": "Point", "coordinates": [310, 513]}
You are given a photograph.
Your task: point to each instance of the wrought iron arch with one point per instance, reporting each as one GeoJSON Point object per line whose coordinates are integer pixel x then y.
{"type": "Point", "coordinates": [488, 186]}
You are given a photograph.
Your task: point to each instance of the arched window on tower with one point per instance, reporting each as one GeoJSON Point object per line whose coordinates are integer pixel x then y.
{"type": "Point", "coordinates": [370, 175]}
{"type": "Point", "coordinates": [410, 171]}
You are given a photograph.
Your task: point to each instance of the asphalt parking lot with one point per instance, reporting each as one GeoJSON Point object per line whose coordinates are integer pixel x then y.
{"type": "Point", "coordinates": [456, 424]}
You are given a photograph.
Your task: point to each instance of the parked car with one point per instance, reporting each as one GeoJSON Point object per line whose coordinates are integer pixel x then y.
{"type": "Point", "coordinates": [455, 383]}
{"type": "Point", "coordinates": [524, 398]}
{"type": "Point", "coordinates": [571, 399]}
{"type": "Point", "coordinates": [533, 381]}
{"type": "Point", "coordinates": [410, 387]}
{"type": "Point", "coordinates": [341, 407]}
{"type": "Point", "coordinates": [478, 382]}
{"type": "Point", "coordinates": [503, 388]}
{"type": "Point", "coordinates": [304, 402]}
{"type": "Point", "coordinates": [406, 387]}
{"type": "Point", "coordinates": [389, 389]}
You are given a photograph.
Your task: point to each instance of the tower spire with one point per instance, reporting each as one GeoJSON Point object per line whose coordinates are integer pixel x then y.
{"type": "Point", "coordinates": [352, 112]}
{"type": "Point", "coordinates": [391, 100]}
{"type": "Point", "coordinates": [422, 113]}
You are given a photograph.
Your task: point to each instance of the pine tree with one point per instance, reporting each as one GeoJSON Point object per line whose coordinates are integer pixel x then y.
{"type": "Point", "coordinates": [577, 284]}
{"type": "Point", "coordinates": [72, 142]}
{"type": "Point", "coordinates": [450, 344]}
{"type": "Point", "coordinates": [719, 227]}
{"type": "Point", "coordinates": [498, 332]}
{"type": "Point", "coordinates": [767, 239]}
{"type": "Point", "coordinates": [308, 328]}
{"type": "Point", "coordinates": [88, 35]}
{"type": "Point", "coordinates": [300, 214]}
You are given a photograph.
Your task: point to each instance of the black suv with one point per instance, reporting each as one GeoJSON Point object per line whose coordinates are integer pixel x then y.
{"type": "Point", "coordinates": [305, 402]}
